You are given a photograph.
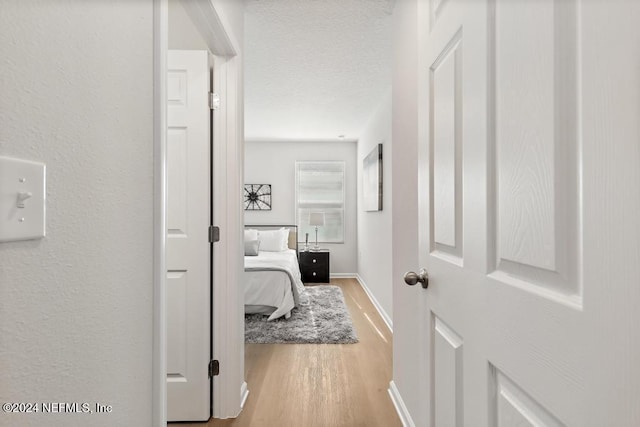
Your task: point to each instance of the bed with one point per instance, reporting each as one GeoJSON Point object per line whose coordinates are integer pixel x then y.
{"type": "Point", "coordinates": [273, 284]}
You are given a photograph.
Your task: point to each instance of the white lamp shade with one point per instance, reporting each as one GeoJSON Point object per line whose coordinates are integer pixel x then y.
{"type": "Point", "coordinates": [316, 218]}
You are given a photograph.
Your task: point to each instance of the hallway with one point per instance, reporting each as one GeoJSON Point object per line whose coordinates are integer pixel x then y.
{"type": "Point", "coordinates": [322, 385]}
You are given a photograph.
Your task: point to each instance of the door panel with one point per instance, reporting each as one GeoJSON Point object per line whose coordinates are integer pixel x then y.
{"type": "Point", "coordinates": [514, 408]}
{"type": "Point", "coordinates": [446, 74]}
{"type": "Point", "coordinates": [535, 147]}
{"type": "Point", "coordinates": [176, 328]}
{"type": "Point", "coordinates": [188, 248]}
{"type": "Point", "coordinates": [525, 133]}
{"type": "Point", "coordinates": [519, 129]}
{"type": "Point", "coordinates": [447, 369]}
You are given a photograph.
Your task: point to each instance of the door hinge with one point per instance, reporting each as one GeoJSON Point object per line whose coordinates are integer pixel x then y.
{"type": "Point", "coordinates": [214, 101]}
{"type": "Point", "coordinates": [214, 234]}
{"type": "Point", "coordinates": [214, 368]}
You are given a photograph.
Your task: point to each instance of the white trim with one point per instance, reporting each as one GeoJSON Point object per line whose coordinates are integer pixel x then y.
{"type": "Point", "coordinates": [343, 276]}
{"type": "Point", "coordinates": [205, 17]}
{"type": "Point", "coordinates": [228, 258]}
{"type": "Point", "coordinates": [159, 346]}
{"type": "Point", "coordinates": [244, 394]}
{"type": "Point", "coordinates": [401, 408]}
{"type": "Point", "coordinates": [211, 23]}
{"type": "Point", "coordinates": [228, 308]}
{"type": "Point", "coordinates": [387, 319]}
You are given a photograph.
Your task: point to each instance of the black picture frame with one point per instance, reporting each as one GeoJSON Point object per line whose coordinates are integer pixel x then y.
{"type": "Point", "coordinates": [257, 197]}
{"type": "Point", "coordinates": [372, 180]}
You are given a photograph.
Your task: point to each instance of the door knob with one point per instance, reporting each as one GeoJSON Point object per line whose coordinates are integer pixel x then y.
{"type": "Point", "coordinates": [411, 278]}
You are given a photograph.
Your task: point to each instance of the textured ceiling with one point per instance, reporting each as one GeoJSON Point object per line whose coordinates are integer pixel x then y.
{"type": "Point", "coordinates": [315, 69]}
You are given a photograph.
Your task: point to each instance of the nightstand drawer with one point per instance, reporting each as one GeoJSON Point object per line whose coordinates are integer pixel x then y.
{"type": "Point", "coordinates": [316, 275]}
{"type": "Point", "coordinates": [314, 266]}
{"type": "Point", "coordinates": [315, 261]}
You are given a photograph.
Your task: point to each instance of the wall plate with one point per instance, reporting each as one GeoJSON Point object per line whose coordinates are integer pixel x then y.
{"type": "Point", "coordinates": [22, 199]}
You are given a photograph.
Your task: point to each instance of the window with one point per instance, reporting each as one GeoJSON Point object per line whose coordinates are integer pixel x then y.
{"type": "Point", "coordinates": [320, 188]}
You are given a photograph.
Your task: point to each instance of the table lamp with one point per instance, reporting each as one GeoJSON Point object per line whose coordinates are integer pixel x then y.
{"type": "Point", "coordinates": [316, 219]}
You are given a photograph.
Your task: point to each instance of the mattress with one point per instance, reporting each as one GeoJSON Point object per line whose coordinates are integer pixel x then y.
{"type": "Point", "coordinates": [273, 284]}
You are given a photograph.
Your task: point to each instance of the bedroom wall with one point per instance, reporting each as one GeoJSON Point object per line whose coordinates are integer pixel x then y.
{"type": "Point", "coordinates": [374, 228]}
{"type": "Point", "coordinates": [76, 80]}
{"type": "Point", "coordinates": [274, 163]}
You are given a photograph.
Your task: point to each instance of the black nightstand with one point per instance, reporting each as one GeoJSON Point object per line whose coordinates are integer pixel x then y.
{"type": "Point", "coordinates": [314, 266]}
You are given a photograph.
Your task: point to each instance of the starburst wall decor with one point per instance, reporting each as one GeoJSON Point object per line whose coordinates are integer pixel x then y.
{"type": "Point", "coordinates": [257, 197]}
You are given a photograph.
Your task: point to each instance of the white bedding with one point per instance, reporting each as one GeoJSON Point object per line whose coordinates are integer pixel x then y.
{"type": "Point", "coordinates": [271, 292]}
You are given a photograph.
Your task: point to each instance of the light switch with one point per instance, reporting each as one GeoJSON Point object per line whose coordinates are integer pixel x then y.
{"type": "Point", "coordinates": [22, 199]}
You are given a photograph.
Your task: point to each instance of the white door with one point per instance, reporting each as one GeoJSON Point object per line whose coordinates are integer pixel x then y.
{"type": "Point", "coordinates": [188, 247]}
{"type": "Point", "coordinates": [530, 212]}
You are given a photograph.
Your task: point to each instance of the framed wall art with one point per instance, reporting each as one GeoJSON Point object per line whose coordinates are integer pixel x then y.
{"type": "Point", "coordinates": [372, 179]}
{"type": "Point", "coordinates": [257, 197]}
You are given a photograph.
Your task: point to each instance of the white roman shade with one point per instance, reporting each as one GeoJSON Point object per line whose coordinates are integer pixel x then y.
{"type": "Point", "coordinates": [320, 189]}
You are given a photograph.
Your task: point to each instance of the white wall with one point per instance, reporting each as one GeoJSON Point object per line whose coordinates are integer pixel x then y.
{"type": "Point", "coordinates": [409, 322]}
{"type": "Point", "coordinates": [76, 307]}
{"type": "Point", "coordinates": [182, 32]}
{"type": "Point", "coordinates": [231, 14]}
{"type": "Point", "coordinates": [274, 163]}
{"type": "Point", "coordinates": [374, 228]}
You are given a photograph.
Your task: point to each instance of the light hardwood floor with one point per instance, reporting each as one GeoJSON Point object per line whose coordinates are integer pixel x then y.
{"type": "Point", "coordinates": [322, 385]}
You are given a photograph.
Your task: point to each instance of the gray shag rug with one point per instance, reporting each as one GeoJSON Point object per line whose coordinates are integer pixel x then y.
{"type": "Point", "coordinates": [322, 319]}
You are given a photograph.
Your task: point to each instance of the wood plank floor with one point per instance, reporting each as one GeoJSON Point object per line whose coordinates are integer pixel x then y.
{"type": "Point", "coordinates": [322, 385]}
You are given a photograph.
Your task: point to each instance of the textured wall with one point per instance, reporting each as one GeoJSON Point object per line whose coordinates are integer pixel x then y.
{"type": "Point", "coordinates": [75, 308]}
{"type": "Point", "coordinates": [374, 228]}
{"type": "Point", "coordinates": [274, 163]}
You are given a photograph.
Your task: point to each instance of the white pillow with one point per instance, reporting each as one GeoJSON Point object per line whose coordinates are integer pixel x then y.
{"type": "Point", "coordinates": [274, 240]}
{"type": "Point", "coordinates": [250, 234]}
{"type": "Point", "coordinates": [252, 247]}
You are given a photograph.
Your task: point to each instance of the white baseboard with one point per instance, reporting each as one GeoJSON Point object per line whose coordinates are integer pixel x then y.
{"type": "Point", "coordinates": [343, 275]}
{"type": "Point", "coordinates": [244, 394]}
{"type": "Point", "coordinates": [401, 409]}
{"type": "Point", "coordinates": [376, 304]}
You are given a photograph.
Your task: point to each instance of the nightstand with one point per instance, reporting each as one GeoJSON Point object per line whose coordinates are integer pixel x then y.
{"type": "Point", "coordinates": [314, 266]}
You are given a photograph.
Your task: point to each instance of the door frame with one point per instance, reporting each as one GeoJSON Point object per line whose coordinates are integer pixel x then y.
{"type": "Point", "coordinates": [230, 390]}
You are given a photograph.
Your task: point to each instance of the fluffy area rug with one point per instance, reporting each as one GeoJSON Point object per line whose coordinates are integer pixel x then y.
{"type": "Point", "coordinates": [322, 319]}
